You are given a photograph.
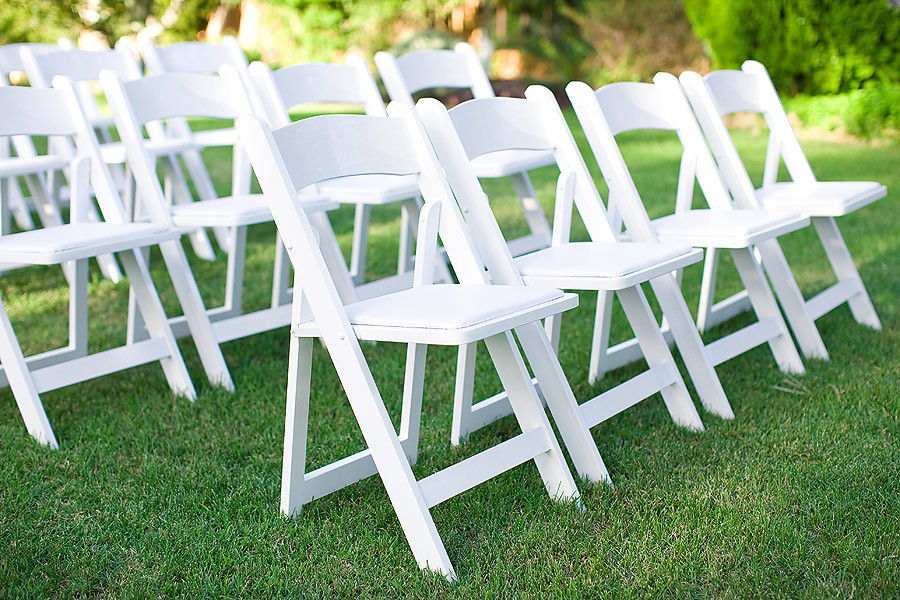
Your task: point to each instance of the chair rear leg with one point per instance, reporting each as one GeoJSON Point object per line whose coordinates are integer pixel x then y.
{"type": "Point", "coordinates": [534, 214]}
{"type": "Point", "coordinates": [600, 339]}
{"type": "Point", "coordinates": [656, 351]}
{"type": "Point", "coordinates": [765, 307]}
{"type": "Point", "coordinates": [22, 385]}
{"type": "Point", "coordinates": [791, 299]}
{"type": "Point", "coordinates": [413, 390]}
{"type": "Point", "coordinates": [157, 323]}
{"type": "Point", "coordinates": [462, 394]}
{"type": "Point", "coordinates": [690, 346]}
{"type": "Point", "coordinates": [561, 401]}
{"type": "Point", "coordinates": [529, 412]}
{"type": "Point", "coordinates": [296, 423]}
{"type": "Point", "coordinates": [842, 263]}
{"type": "Point", "coordinates": [360, 243]}
{"type": "Point", "coordinates": [708, 289]}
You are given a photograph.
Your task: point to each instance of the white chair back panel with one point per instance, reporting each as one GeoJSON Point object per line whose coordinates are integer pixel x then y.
{"type": "Point", "coordinates": [82, 65]}
{"type": "Point", "coordinates": [11, 55]}
{"type": "Point", "coordinates": [158, 97]}
{"type": "Point", "coordinates": [433, 69]}
{"type": "Point", "coordinates": [491, 124]}
{"type": "Point", "coordinates": [34, 111]}
{"type": "Point", "coordinates": [194, 57]}
{"type": "Point", "coordinates": [630, 106]}
{"type": "Point", "coordinates": [329, 146]}
{"type": "Point", "coordinates": [734, 91]}
{"type": "Point", "coordinates": [319, 82]}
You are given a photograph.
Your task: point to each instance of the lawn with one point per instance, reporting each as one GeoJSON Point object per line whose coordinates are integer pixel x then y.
{"type": "Point", "coordinates": [150, 495]}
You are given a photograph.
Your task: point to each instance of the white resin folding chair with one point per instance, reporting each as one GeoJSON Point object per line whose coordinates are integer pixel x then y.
{"type": "Point", "coordinates": [415, 72]}
{"type": "Point", "coordinates": [348, 84]}
{"type": "Point", "coordinates": [321, 148]}
{"type": "Point", "coordinates": [15, 204]}
{"type": "Point", "coordinates": [751, 90]}
{"type": "Point", "coordinates": [621, 107]}
{"type": "Point", "coordinates": [606, 265]}
{"type": "Point", "coordinates": [156, 98]}
{"type": "Point", "coordinates": [56, 112]}
{"type": "Point", "coordinates": [206, 58]}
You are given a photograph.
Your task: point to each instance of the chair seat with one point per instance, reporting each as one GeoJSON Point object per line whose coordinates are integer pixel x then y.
{"type": "Point", "coordinates": [735, 228]}
{"type": "Point", "coordinates": [370, 189]}
{"type": "Point", "coordinates": [509, 162]}
{"type": "Point", "coordinates": [53, 245]}
{"type": "Point", "coordinates": [450, 314]}
{"type": "Point", "coordinates": [822, 198]}
{"type": "Point", "coordinates": [17, 165]}
{"type": "Point", "coordinates": [233, 211]}
{"type": "Point", "coordinates": [603, 266]}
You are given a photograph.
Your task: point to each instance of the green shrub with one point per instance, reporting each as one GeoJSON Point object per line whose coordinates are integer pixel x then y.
{"type": "Point", "coordinates": [809, 46]}
{"type": "Point", "coordinates": [871, 112]}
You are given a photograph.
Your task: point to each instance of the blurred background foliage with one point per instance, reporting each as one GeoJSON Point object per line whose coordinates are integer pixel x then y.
{"type": "Point", "coordinates": [837, 60]}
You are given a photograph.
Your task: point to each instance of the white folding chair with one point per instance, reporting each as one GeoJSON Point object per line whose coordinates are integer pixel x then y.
{"type": "Point", "coordinates": [415, 72]}
{"type": "Point", "coordinates": [621, 107]}
{"type": "Point", "coordinates": [206, 58]}
{"type": "Point", "coordinates": [320, 148]}
{"type": "Point", "coordinates": [15, 204]}
{"type": "Point", "coordinates": [751, 90]}
{"type": "Point", "coordinates": [51, 112]}
{"type": "Point", "coordinates": [350, 84]}
{"type": "Point", "coordinates": [606, 265]}
{"type": "Point", "coordinates": [156, 98]}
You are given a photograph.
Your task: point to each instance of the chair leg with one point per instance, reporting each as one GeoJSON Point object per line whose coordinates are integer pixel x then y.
{"type": "Point", "coordinates": [842, 263]}
{"type": "Point", "coordinates": [405, 250]}
{"type": "Point", "coordinates": [413, 390]}
{"type": "Point", "coordinates": [462, 395]}
{"type": "Point", "coordinates": [791, 299]}
{"type": "Point", "coordinates": [765, 307]}
{"type": "Point", "coordinates": [136, 330]}
{"type": "Point", "coordinates": [534, 214]}
{"type": "Point", "coordinates": [234, 281]}
{"type": "Point", "coordinates": [78, 308]}
{"type": "Point", "coordinates": [708, 289]}
{"type": "Point", "coordinates": [600, 339]}
{"type": "Point", "coordinates": [195, 313]}
{"type": "Point", "coordinates": [360, 243]}
{"type": "Point", "coordinates": [561, 401]}
{"type": "Point", "coordinates": [691, 347]}
{"type": "Point", "coordinates": [6, 186]}
{"type": "Point", "coordinates": [22, 385]}
{"type": "Point", "coordinates": [296, 423]}
{"type": "Point", "coordinates": [412, 210]}
{"type": "Point", "coordinates": [656, 351]}
{"type": "Point", "coordinates": [529, 412]}
{"type": "Point", "coordinates": [281, 278]}
{"type": "Point", "coordinates": [157, 322]}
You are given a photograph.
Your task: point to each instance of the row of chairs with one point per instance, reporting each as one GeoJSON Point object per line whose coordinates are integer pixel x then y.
{"type": "Point", "coordinates": [430, 160]}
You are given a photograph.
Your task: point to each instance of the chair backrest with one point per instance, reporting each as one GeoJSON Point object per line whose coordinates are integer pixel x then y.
{"type": "Point", "coordinates": [484, 125]}
{"type": "Point", "coordinates": [11, 57]}
{"type": "Point", "coordinates": [414, 72]}
{"type": "Point", "coordinates": [748, 90]}
{"type": "Point", "coordinates": [78, 65]}
{"type": "Point", "coordinates": [57, 112]}
{"type": "Point", "coordinates": [621, 107]}
{"type": "Point", "coordinates": [320, 148]}
{"type": "Point", "coordinates": [192, 57]}
{"type": "Point", "coordinates": [281, 89]}
{"type": "Point", "coordinates": [157, 98]}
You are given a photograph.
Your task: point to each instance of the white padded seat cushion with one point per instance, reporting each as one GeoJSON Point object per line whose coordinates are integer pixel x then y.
{"type": "Point", "coordinates": [589, 259]}
{"type": "Point", "coordinates": [731, 228]}
{"type": "Point", "coordinates": [448, 306]}
{"type": "Point", "coordinates": [822, 198]}
{"type": "Point", "coordinates": [370, 189]}
{"type": "Point", "coordinates": [49, 242]}
{"type": "Point", "coordinates": [237, 210]}
{"type": "Point", "coordinates": [508, 162]}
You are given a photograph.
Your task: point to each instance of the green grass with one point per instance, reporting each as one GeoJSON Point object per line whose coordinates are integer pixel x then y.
{"type": "Point", "coordinates": [150, 495]}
